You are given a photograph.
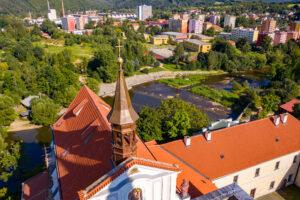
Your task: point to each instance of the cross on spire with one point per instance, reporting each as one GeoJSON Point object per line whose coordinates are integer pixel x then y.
{"type": "Point", "coordinates": [119, 47]}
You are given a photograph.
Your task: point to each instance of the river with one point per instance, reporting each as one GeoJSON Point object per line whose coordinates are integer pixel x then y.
{"type": "Point", "coordinates": [152, 93]}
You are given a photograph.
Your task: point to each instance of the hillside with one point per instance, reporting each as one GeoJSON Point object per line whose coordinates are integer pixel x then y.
{"type": "Point", "coordinates": [22, 7]}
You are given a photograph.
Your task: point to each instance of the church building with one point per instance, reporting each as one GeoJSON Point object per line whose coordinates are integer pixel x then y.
{"type": "Point", "coordinates": [96, 154]}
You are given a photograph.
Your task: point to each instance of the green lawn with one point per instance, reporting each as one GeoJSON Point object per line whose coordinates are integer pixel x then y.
{"type": "Point", "coordinates": [78, 51]}
{"type": "Point", "coordinates": [221, 96]}
{"type": "Point", "coordinates": [172, 67]}
{"type": "Point", "coordinates": [289, 193]}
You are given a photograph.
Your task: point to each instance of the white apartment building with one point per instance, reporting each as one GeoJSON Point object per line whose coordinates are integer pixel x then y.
{"type": "Point", "coordinates": [143, 12]}
{"type": "Point", "coordinates": [250, 34]}
{"type": "Point", "coordinates": [51, 15]}
{"type": "Point", "coordinates": [229, 21]}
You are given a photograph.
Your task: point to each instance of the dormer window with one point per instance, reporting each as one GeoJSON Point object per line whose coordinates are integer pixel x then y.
{"type": "Point", "coordinates": [79, 107]}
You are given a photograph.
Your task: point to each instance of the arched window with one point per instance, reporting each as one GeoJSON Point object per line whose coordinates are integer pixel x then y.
{"type": "Point", "coordinates": [135, 194]}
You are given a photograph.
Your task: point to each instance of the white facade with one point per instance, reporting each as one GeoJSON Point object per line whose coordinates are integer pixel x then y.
{"type": "Point", "coordinates": [229, 21]}
{"type": "Point", "coordinates": [195, 26]}
{"type": "Point", "coordinates": [250, 34]}
{"type": "Point", "coordinates": [282, 176]}
{"type": "Point", "coordinates": [144, 12]}
{"type": "Point", "coordinates": [51, 15]}
{"type": "Point", "coordinates": [154, 184]}
{"type": "Point", "coordinates": [214, 19]}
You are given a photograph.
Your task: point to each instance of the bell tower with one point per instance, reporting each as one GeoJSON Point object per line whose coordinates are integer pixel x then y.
{"type": "Point", "coordinates": [122, 119]}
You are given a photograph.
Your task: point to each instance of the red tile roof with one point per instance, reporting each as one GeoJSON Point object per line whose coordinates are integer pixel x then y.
{"type": "Point", "coordinates": [216, 27]}
{"type": "Point", "coordinates": [36, 188]}
{"type": "Point", "coordinates": [91, 151]}
{"type": "Point", "coordinates": [243, 146]}
{"type": "Point", "coordinates": [199, 185]}
{"type": "Point", "coordinates": [289, 105]}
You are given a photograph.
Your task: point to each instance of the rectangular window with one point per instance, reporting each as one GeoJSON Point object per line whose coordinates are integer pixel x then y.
{"type": "Point", "coordinates": [272, 185]}
{"type": "Point", "coordinates": [277, 165]}
{"type": "Point", "coordinates": [252, 192]}
{"type": "Point", "coordinates": [295, 159]}
{"type": "Point", "coordinates": [257, 172]}
{"type": "Point", "coordinates": [290, 178]}
{"type": "Point", "coordinates": [235, 179]}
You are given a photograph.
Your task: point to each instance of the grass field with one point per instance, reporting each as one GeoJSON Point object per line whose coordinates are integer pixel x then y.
{"type": "Point", "coordinates": [221, 96]}
{"type": "Point", "coordinates": [187, 80]}
{"type": "Point", "coordinates": [57, 46]}
{"type": "Point", "coordinates": [289, 193]}
{"type": "Point", "coordinates": [173, 67]}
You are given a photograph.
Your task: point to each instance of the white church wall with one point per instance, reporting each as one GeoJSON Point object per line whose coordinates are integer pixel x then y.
{"type": "Point", "coordinates": [154, 183]}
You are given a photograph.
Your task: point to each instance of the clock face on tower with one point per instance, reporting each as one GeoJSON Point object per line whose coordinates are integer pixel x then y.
{"type": "Point", "coordinates": [135, 194]}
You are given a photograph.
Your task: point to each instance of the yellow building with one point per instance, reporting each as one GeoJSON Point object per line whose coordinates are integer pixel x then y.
{"type": "Point", "coordinates": [159, 39]}
{"type": "Point", "coordinates": [201, 37]}
{"type": "Point", "coordinates": [197, 45]}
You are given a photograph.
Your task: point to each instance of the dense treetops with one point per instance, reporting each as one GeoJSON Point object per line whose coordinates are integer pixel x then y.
{"type": "Point", "coordinates": [174, 119]}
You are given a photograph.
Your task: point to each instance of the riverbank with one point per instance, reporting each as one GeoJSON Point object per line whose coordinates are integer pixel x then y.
{"type": "Point", "coordinates": [108, 89]}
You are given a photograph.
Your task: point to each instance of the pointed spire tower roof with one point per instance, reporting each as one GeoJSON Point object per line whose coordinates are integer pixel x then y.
{"type": "Point", "coordinates": [122, 112]}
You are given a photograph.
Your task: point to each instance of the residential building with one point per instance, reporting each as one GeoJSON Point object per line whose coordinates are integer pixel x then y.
{"type": "Point", "coordinates": [201, 37]}
{"type": "Point", "coordinates": [215, 19]}
{"type": "Point", "coordinates": [268, 26]}
{"type": "Point", "coordinates": [207, 25]}
{"type": "Point", "coordinates": [226, 36]}
{"type": "Point", "coordinates": [280, 37]}
{"type": "Point", "coordinates": [248, 33]}
{"type": "Point", "coordinates": [289, 106]}
{"type": "Point", "coordinates": [217, 28]}
{"type": "Point", "coordinates": [295, 26]}
{"type": "Point", "coordinates": [229, 21]}
{"type": "Point", "coordinates": [68, 23]}
{"type": "Point", "coordinates": [144, 12]}
{"type": "Point", "coordinates": [197, 45]}
{"type": "Point", "coordinates": [81, 21]}
{"type": "Point", "coordinates": [178, 25]}
{"type": "Point", "coordinates": [159, 39]}
{"type": "Point", "coordinates": [51, 15]}
{"type": "Point", "coordinates": [195, 26]}
{"type": "Point", "coordinates": [261, 36]}
{"type": "Point", "coordinates": [201, 17]}
{"type": "Point", "coordinates": [184, 16]}
{"type": "Point", "coordinates": [292, 35]}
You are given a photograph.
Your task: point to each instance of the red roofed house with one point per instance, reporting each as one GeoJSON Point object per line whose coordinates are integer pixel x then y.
{"type": "Point", "coordinates": [288, 107]}
{"type": "Point", "coordinates": [97, 154]}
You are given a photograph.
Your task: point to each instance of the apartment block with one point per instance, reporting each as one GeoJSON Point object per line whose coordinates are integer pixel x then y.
{"type": "Point", "coordinates": [229, 21]}
{"type": "Point", "coordinates": [68, 23]}
{"type": "Point", "coordinates": [268, 26]}
{"type": "Point", "coordinates": [178, 25]}
{"type": "Point", "coordinates": [250, 34]}
{"type": "Point", "coordinates": [144, 12]}
{"type": "Point", "coordinates": [195, 26]}
{"type": "Point", "coordinates": [280, 37]}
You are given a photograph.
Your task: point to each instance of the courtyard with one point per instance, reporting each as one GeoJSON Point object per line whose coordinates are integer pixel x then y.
{"type": "Point", "coordinates": [289, 193]}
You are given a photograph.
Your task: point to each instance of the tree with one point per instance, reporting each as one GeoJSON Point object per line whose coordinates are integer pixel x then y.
{"type": "Point", "coordinates": [296, 111]}
{"type": "Point", "coordinates": [266, 43]}
{"type": "Point", "coordinates": [44, 111]}
{"type": "Point", "coordinates": [177, 125]}
{"type": "Point", "coordinates": [243, 44]}
{"type": "Point", "coordinates": [270, 102]}
{"type": "Point", "coordinates": [149, 124]}
{"type": "Point", "coordinates": [178, 53]}
{"type": "Point", "coordinates": [93, 84]}
{"type": "Point", "coordinates": [7, 113]}
{"type": "Point", "coordinates": [211, 32]}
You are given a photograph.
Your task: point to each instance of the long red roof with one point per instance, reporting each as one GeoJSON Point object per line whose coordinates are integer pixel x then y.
{"type": "Point", "coordinates": [241, 146]}
{"type": "Point", "coordinates": [290, 105]}
{"type": "Point", "coordinates": [83, 143]}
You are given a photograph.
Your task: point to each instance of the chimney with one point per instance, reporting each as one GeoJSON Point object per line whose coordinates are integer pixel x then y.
{"type": "Point", "coordinates": [63, 8]}
{"type": "Point", "coordinates": [48, 5]}
{"type": "Point", "coordinates": [284, 118]}
{"type": "Point", "coordinates": [276, 120]}
{"type": "Point", "coordinates": [208, 136]}
{"type": "Point", "coordinates": [187, 141]}
{"type": "Point", "coordinates": [228, 124]}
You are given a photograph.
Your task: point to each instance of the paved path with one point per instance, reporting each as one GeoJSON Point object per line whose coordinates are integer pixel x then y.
{"type": "Point", "coordinates": [108, 89]}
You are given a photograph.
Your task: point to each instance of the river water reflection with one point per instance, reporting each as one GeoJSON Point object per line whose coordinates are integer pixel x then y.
{"type": "Point", "coordinates": [152, 93]}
